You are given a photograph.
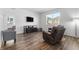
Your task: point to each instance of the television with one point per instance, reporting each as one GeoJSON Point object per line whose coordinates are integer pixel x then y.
{"type": "Point", "coordinates": [29, 19]}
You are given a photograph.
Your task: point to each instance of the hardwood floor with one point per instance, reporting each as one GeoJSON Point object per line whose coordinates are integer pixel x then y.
{"type": "Point", "coordinates": [34, 41]}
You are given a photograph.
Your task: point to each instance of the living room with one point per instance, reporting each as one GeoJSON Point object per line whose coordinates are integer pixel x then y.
{"type": "Point", "coordinates": [33, 38]}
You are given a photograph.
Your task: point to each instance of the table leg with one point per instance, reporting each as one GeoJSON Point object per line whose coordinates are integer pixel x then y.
{"type": "Point", "coordinates": [4, 43]}
{"type": "Point", "coordinates": [14, 40]}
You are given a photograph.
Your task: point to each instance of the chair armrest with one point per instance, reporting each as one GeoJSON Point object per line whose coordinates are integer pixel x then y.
{"type": "Point", "coordinates": [47, 33]}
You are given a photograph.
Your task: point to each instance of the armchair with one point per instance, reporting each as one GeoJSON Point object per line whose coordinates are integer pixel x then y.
{"type": "Point", "coordinates": [55, 36]}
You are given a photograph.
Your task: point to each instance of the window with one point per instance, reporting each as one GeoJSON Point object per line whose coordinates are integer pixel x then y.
{"type": "Point", "coordinates": [53, 19]}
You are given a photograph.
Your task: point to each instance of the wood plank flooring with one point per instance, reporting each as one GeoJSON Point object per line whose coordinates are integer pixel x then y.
{"type": "Point", "coordinates": [34, 41]}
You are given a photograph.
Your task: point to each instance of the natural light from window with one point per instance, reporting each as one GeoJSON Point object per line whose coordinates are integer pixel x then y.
{"type": "Point", "coordinates": [53, 19]}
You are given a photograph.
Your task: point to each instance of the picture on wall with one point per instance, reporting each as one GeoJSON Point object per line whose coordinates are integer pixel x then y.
{"type": "Point", "coordinates": [11, 21]}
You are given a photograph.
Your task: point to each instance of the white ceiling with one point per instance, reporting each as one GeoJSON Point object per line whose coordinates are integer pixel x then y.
{"type": "Point", "coordinates": [40, 10]}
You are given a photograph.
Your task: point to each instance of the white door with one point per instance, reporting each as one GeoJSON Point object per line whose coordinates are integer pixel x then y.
{"type": "Point", "coordinates": [1, 27]}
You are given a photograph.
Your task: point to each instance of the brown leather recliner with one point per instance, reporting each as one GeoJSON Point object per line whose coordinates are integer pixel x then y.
{"type": "Point", "coordinates": [55, 36]}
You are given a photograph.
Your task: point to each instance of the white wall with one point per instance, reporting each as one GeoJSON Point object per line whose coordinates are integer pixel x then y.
{"type": "Point", "coordinates": [21, 19]}
{"type": "Point", "coordinates": [19, 15]}
{"type": "Point", "coordinates": [66, 19]}
{"type": "Point", "coordinates": [1, 28]}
